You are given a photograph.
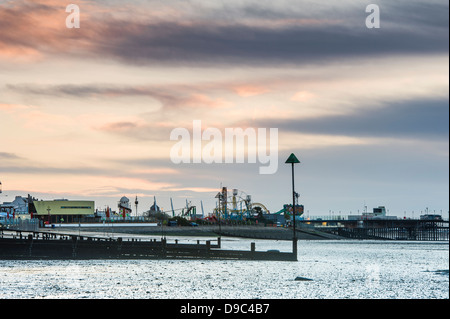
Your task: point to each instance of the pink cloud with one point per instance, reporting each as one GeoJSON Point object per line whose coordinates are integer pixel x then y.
{"type": "Point", "coordinates": [250, 90]}
{"type": "Point", "coordinates": [302, 96]}
{"type": "Point", "coordinates": [32, 29]}
{"type": "Point", "coordinates": [10, 108]}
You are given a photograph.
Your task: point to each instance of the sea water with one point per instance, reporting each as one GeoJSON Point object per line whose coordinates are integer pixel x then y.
{"type": "Point", "coordinates": [337, 269]}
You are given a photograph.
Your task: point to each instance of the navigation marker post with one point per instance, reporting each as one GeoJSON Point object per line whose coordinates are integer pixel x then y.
{"type": "Point", "coordinates": [293, 160]}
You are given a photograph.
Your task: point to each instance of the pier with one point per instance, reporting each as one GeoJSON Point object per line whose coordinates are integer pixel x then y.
{"type": "Point", "coordinates": [384, 229]}
{"type": "Point", "coordinates": [44, 245]}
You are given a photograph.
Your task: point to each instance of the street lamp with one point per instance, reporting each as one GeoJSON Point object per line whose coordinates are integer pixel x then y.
{"type": "Point", "coordinates": [293, 160]}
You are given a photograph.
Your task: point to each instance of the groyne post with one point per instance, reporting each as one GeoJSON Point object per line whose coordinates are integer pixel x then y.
{"type": "Point", "coordinates": [294, 247]}
{"type": "Point", "coordinates": [208, 247]}
{"type": "Point", "coordinates": [74, 246]}
{"type": "Point", "coordinates": [164, 247]}
{"type": "Point", "coordinates": [30, 243]}
{"type": "Point", "coordinates": [119, 245]}
{"type": "Point", "coordinates": [253, 249]}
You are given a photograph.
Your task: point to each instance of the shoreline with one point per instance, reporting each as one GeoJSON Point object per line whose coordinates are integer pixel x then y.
{"type": "Point", "coordinates": [255, 232]}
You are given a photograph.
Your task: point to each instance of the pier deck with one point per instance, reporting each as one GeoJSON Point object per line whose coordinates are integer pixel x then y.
{"type": "Point", "coordinates": [386, 229]}
{"type": "Point", "coordinates": [43, 245]}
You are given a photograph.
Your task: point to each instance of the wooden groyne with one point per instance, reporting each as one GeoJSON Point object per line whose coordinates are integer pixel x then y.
{"type": "Point", "coordinates": [42, 245]}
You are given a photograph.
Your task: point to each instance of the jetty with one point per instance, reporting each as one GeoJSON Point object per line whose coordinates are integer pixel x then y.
{"type": "Point", "coordinates": [383, 229]}
{"type": "Point", "coordinates": [24, 245]}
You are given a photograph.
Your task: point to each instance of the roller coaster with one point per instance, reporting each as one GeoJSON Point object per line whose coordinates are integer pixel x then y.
{"type": "Point", "coordinates": [237, 206]}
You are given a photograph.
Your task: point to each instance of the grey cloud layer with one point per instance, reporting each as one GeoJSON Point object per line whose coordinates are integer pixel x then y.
{"type": "Point", "coordinates": [244, 32]}
{"type": "Point", "coordinates": [256, 40]}
{"type": "Point", "coordinates": [203, 44]}
{"type": "Point", "coordinates": [425, 119]}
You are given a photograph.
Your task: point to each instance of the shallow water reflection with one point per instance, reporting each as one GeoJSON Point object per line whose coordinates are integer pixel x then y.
{"type": "Point", "coordinates": [338, 269]}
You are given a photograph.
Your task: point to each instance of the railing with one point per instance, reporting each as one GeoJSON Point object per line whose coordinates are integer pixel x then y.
{"type": "Point", "coordinates": [423, 232]}
{"type": "Point", "coordinates": [21, 224]}
{"type": "Point", "coordinates": [115, 219]}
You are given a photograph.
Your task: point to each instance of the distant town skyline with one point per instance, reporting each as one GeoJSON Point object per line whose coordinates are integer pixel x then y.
{"type": "Point", "coordinates": [87, 113]}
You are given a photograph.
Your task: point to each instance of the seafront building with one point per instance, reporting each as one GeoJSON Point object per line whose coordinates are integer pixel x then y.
{"type": "Point", "coordinates": [58, 211]}
{"type": "Point", "coordinates": [46, 211]}
{"type": "Point", "coordinates": [61, 210]}
{"type": "Point", "coordinates": [18, 208]}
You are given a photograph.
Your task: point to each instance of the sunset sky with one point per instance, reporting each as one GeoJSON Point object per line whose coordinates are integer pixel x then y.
{"type": "Point", "coordinates": [86, 113]}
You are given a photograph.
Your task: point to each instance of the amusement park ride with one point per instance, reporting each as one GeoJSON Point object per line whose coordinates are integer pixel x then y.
{"type": "Point", "coordinates": [239, 206]}
{"type": "Point", "coordinates": [232, 205]}
{"type": "Point", "coordinates": [235, 205]}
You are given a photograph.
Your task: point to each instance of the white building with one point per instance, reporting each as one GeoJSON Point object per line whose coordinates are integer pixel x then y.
{"type": "Point", "coordinates": [377, 213]}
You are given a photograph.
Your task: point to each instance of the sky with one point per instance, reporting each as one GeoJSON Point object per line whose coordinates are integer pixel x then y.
{"type": "Point", "coordinates": [87, 113]}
